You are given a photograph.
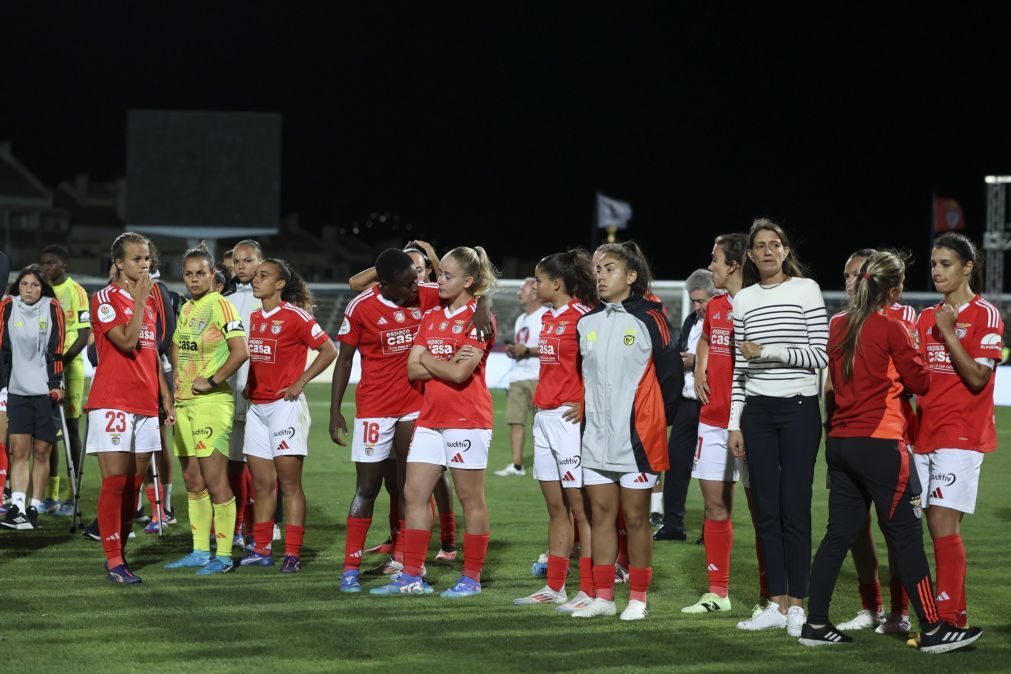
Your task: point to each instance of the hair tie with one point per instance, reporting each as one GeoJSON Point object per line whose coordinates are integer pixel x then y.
{"type": "Point", "coordinates": [867, 277]}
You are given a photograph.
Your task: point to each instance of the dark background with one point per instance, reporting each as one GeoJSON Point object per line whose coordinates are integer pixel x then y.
{"type": "Point", "coordinates": [496, 125]}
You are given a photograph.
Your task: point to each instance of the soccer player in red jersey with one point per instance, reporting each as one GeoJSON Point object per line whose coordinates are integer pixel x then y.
{"type": "Point", "coordinates": [566, 282]}
{"type": "Point", "coordinates": [873, 361]}
{"type": "Point", "coordinates": [455, 425]}
{"type": "Point", "coordinates": [123, 402]}
{"type": "Point", "coordinates": [281, 333]}
{"type": "Point", "coordinates": [380, 323]}
{"type": "Point", "coordinates": [962, 340]}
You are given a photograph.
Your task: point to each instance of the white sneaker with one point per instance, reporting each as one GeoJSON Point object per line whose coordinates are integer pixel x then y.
{"type": "Point", "coordinates": [543, 596]}
{"type": "Point", "coordinates": [581, 600]}
{"type": "Point", "coordinates": [510, 470]}
{"type": "Point", "coordinates": [795, 619]}
{"type": "Point", "coordinates": [769, 619]}
{"type": "Point", "coordinates": [895, 624]}
{"type": "Point", "coordinates": [596, 608]}
{"type": "Point", "coordinates": [636, 610]}
{"type": "Point", "coordinates": [864, 620]}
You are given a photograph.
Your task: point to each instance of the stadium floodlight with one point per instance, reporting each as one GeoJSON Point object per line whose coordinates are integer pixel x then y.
{"type": "Point", "coordinates": [997, 180]}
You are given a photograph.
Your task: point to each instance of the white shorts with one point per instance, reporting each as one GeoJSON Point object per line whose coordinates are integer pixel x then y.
{"type": "Point", "coordinates": [280, 428]}
{"type": "Point", "coordinates": [372, 440]}
{"type": "Point", "coordinates": [949, 478]}
{"type": "Point", "coordinates": [627, 480]}
{"type": "Point", "coordinates": [714, 460]}
{"type": "Point", "coordinates": [464, 448]}
{"type": "Point", "coordinates": [237, 439]}
{"type": "Point", "coordinates": [557, 447]}
{"type": "Point", "coordinates": [116, 431]}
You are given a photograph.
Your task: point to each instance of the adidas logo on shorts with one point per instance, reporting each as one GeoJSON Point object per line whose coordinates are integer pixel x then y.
{"type": "Point", "coordinates": [457, 459]}
{"type": "Point", "coordinates": [568, 477]}
{"type": "Point", "coordinates": [937, 495]}
{"type": "Point", "coordinates": [283, 445]}
{"type": "Point", "coordinates": [641, 479]}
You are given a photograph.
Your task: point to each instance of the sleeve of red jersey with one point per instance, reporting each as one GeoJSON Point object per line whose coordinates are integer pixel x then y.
{"type": "Point", "coordinates": [314, 334]}
{"type": "Point", "coordinates": [987, 336]}
{"type": "Point", "coordinates": [472, 339]}
{"type": "Point", "coordinates": [105, 315]}
{"type": "Point", "coordinates": [706, 324]}
{"type": "Point", "coordinates": [350, 332]}
{"type": "Point", "coordinates": [428, 296]}
{"type": "Point", "coordinates": [909, 362]}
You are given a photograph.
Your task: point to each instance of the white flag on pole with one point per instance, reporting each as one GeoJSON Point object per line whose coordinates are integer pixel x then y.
{"type": "Point", "coordinates": [612, 212]}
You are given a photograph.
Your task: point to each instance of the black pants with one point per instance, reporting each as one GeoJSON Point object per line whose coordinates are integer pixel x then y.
{"type": "Point", "coordinates": [684, 435]}
{"type": "Point", "coordinates": [862, 471]}
{"type": "Point", "coordinates": [781, 437]}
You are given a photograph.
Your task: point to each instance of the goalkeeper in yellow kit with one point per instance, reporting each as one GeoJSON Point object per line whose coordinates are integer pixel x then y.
{"type": "Point", "coordinates": [208, 347]}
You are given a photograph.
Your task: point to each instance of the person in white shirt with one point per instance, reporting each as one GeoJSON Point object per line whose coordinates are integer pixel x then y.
{"type": "Point", "coordinates": [523, 378]}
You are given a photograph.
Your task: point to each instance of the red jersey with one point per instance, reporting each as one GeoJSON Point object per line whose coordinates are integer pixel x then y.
{"type": "Point", "coordinates": [561, 377]}
{"type": "Point", "coordinates": [718, 328]}
{"type": "Point", "coordinates": [448, 405]}
{"type": "Point", "coordinates": [952, 417]}
{"type": "Point", "coordinates": [384, 334]}
{"type": "Point", "coordinates": [279, 343]}
{"type": "Point", "coordinates": [907, 316]}
{"type": "Point", "coordinates": [125, 381]}
{"type": "Point", "coordinates": [886, 365]}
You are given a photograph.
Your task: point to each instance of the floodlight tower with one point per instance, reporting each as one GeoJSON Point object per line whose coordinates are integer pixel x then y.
{"type": "Point", "coordinates": [996, 240]}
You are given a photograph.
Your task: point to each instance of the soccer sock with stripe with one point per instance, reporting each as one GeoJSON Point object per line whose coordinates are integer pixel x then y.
{"type": "Point", "coordinates": [870, 596]}
{"type": "Point", "coordinates": [224, 524]}
{"type": "Point", "coordinates": [447, 529]}
{"type": "Point", "coordinates": [586, 576]}
{"type": "Point", "coordinates": [263, 534]}
{"type": "Point", "coordinates": [639, 579]}
{"type": "Point", "coordinates": [603, 581]}
{"type": "Point", "coordinates": [201, 514]}
{"type": "Point", "coordinates": [949, 553]}
{"type": "Point", "coordinates": [558, 569]}
{"type": "Point", "coordinates": [237, 481]}
{"type": "Point", "coordinates": [110, 499]}
{"type": "Point", "coordinates": [354, 541]}
{"type": "Point", "coordinates": [718, 537]}
{"type": "Point", "coordinates": [293, 535]}
{"type": "Point", "coordinates": [415, 549]}
{"type": "Point", "coordinates": [900, 600]}
{"type": "Point", "coordinates": [475, 549]}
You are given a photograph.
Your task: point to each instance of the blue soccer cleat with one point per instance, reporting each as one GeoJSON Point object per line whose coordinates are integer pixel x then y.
{"type": "Point", "coordinates": [291, 564]}
{"type": "Point", "coordinates": [195, 560]}
{"type": "Point", "coordinates": [403, 584]}
{"type": "Point", "coordinates": [350, 582]}
{"type": "Point", "coordinates": [464, 587]}
{"type": "Point", "coordinates": [254, 558]}
{"type": "Point", "coordinates": [123, 575]}
{"type": "Point", "coordinates": [216, 566]}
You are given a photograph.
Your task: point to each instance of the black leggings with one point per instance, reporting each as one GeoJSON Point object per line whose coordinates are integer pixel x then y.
{"type": "Point", "coordinates": [684, 435]}
{"type": "Point", "coordinates": [862, 471]}
{"type": "Point", "coordinates": [781, 437]}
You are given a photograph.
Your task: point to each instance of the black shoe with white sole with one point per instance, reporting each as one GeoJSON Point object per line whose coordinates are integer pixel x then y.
{"type": "Point", "coordinates": [16, 519]}
{"type": "Point", "coordinates": [91, 531]}
{"type": "Point", "coordinates": [823, 636]}
{"type": "Point", "coordinates": [948, 638]}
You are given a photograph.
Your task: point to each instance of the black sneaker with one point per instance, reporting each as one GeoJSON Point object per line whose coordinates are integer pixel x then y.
{"type": "Point", "coordinates": [668, 533]}
{"type": "Point", "coordinates": [170, 517]}
{"type": "Point", "coordinates": [91, 531]}
{"type": "Point", "coordinates": [656, 520]}
{"type": "Point", "coordinates": [823, 636]}
{"type": "Point", "coordinates": [141, 516]}
{"type": "Point", "coordinates": [16, 519]}
{"type": "Point", "coordinates": [948, 638]}
{"type": "Point", "coordinates": [33, 517]}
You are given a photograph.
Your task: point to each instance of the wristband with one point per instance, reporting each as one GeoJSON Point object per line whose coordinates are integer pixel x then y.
{"type": "Point", "coordinates": [210, 380]}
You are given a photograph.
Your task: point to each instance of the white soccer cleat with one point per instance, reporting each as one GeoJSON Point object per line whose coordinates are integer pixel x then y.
{"type": "Point", "coordinates": [769, 619]}
{"type": "Point", "coordinates": [895, 624]}
{"type": "Point", "coordinates": [864, 620]}
{"type": "Point", "coordinates": [597, 607]}
{"type": "Point", "coordinates": [580, 601]}
{"type": "Point", "coordinates": [795, 619]}
{"type": "Point", "coordinates": [511, 470]}
{"type": "Point", "coordinates": [543, 596]}
{"type": "Point", "coordinates": [636, 610]}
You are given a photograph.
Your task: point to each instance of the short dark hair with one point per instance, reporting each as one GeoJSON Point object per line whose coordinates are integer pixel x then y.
{"type": "Point", "coordinates": [36, 271]}
{"type": "Point", "coordinates": [392, 262]}
{"type": "Point", "coordinates": [57, 250]}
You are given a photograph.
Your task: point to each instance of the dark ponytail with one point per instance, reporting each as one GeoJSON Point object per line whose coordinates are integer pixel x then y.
{"type": "Point", "coordinates": [573, 268]}
{"type": "Point", "coordinates": [295, 290]}
{"type": "Point", "coordinates": [634, 260]}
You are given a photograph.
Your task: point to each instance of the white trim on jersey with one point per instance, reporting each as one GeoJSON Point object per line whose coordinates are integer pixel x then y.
{"type": "Point", "coordinates": [306, 316]}
{"type": "Point", "coordinates": [364, 295]}
{"type": "Point", "coordinates": [992, 315]}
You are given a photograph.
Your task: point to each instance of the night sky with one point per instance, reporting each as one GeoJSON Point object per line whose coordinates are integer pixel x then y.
{"type": "Point", "coordinates": [497, 128]}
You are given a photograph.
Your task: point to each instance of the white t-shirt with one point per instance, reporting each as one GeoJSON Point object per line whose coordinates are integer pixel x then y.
{"type": "Point", "coordinates": [693, 343]}
{"type": "Point", "coordinates": [528, 333]}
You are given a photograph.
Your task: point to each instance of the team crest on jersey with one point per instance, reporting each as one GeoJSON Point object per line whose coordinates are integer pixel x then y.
{"type": "Point", "coordinates": [457, 329]}
{"type": "Point", "coordinates": [629, 337]}
{"type": "Point", "coordinates": [560, 330]}
{"type": "Point", "coordinates": [106, 313]}
{"type": "Point", "coordinates": [275, 329]}
{"type": "Point", "coordinates": [443, 325]}
{"type": "Point", "coordinates": [43, 325]}
{"type": "Point", "coordinates": [416, 314]}
{"type": "Point", "coordinates": [962, 329]}
{"type": "Point", "coordinates": [399, 316]}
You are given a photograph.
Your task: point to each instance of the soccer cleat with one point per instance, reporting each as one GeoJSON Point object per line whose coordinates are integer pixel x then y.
{"type": "Point", "coordinates": [620, 574]}
{"type": "Point", "coordinates": [384, 548]}
{"type": "Point", "coordinates": [403, 584]}
{"type": "Point", "coordinates": [254, 558]}
{"type": "Point", "coordinates": [669, 533]}
{"type": "Point", "coordinates": [152, 526]}
{"type": "Point", "coordinates": [238, 541]}
{"type": "Point", "coordinates": [828, 635]}
{"type": "Point", "coordinates": [195, 560]}
{"type": "Point", "coordinates": [91, 531]}
{"type": "Point", "coordinates": [123, 575]}
{"type": "Point", "coordinates": [710, 602]}
{"type": "Point", "coordinates": [291, 564]}
{"type": "Point", "coordinates": [350, 582]}
{"type": "Point", "coordinates": [16, 519]}
{"type": "Point", "coordinates": [795, 620]}
{"type": "Point", "coordinates": [511, 470]}
{"type": "Point", "coordinates": [66, 509]}
{"type": "Point", "coordinates": [769, 619]}
{"type": "Point", "coordinates": [33, 517]}
{"type": "Point", "coordinates": [463, 587]}
{"type": "Point", "coordinates": [543, 596]}
{"type": "Point", "coordinates": [170, 517]}
{"type": "Point", "coordinates": [141, 517]}
{"type": "Point", "coordinates": [636, 610]}
{"type": "Point", "coordinates": [216, 566]}
{"type": "Point", "coordinates": [864, 620]}
{"type": "Point", "coordinates": [446, 554]}
{"type": "Point", "coordinates": [49, 505]}
{"type": "Point", "coordinates": [948, 638]}
{"type": "Point", "coordinates": [656, 520]}
{"type": "Point", "coordinates": [581, 600]}
{"type": "Point", "coordinates": [387, 568]}
{"type": "Point", "coordinates": [895, 624]}
{"type": "Point", "coordinates": [597, 607]}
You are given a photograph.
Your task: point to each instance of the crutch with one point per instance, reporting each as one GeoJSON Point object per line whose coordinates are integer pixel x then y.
{"type": "Point", "coordinates": [157, 494]}
{"type": "Point", "coordinates": [71, 469]}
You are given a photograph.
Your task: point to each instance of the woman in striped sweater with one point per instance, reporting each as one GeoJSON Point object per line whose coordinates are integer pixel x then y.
{"type": "Point", "coordinates": [781, 332]}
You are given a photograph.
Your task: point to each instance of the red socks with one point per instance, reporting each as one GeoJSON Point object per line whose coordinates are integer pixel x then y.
{"type": "Point", "coordinates": [153, 501]}
{"type": "Point", "coordinates": [870, 596]}
{"type": "Point", "coordinates": [586, 576]}
{"type": "Point", "coordinates": [949, 553]}
{"type": "Point", "coordinates": [354, 541]}
{"type": "Point", "coordinates": [900, 600]}
{"type": "Point", "coordinates": [603, 581]}
{"type": "Point", "coordinates": [475, 549]}
{"type": "Point", "coordinates": [638, 582]}
{"type": "Point", "coordinates": [263, 534]}
{"type": "Point", "coordinates": [110, 500]}
{"type": "Point", "coordinates": [292, 539]}
{"type": "Point", "coordinates": [447, 528]}
{"type": "Point", "coordinates": [237, 481]}
{"type": "Point", "coordinates": [415, 549]}
{"type": "Point", "coordinates": [719, 539]}
{"type": "Point", "coordinates": [558, 569]}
